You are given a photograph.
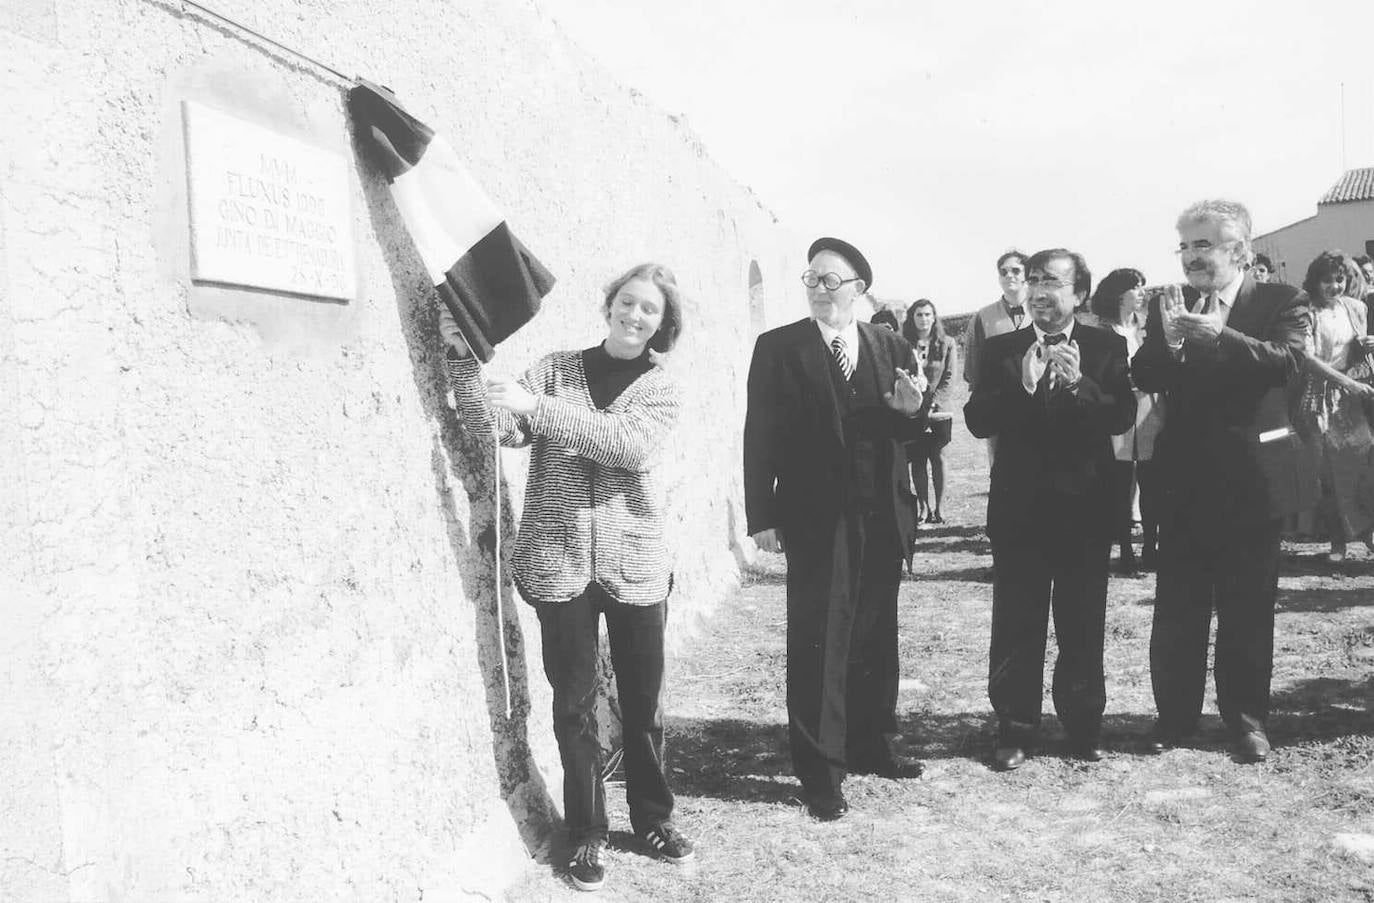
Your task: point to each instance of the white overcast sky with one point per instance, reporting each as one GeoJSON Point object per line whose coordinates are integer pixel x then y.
{"type": "Point", "coordinates": [935, 136]}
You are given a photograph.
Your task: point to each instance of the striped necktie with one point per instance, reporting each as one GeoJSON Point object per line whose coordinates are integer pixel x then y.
{"type": "Point", "coordinates": [841, 353]}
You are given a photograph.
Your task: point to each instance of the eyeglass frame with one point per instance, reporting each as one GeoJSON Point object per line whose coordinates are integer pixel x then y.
{"type": "Point", "coordinates": [1041, 281]}
{"type": "Point", "coordinates": [821, 280]}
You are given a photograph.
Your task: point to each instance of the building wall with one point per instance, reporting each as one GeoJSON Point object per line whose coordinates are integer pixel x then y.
{"type": "Point", "coordinates": [250, 647]}
{"type": "Point", "coordinates": [1348, 227]}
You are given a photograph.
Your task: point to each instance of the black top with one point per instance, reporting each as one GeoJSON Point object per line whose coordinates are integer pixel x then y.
{"type": "Point", "coordinates": [608, 376]}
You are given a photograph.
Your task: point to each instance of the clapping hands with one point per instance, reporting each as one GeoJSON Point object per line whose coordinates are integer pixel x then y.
{"type": "Point", "coordinates": [1065, 363]}
{"type": "Point", "coordinates": [1179, 324]}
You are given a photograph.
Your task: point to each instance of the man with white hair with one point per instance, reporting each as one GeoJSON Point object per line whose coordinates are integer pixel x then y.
{"type": "Point", "coordinates": [1221, 349]}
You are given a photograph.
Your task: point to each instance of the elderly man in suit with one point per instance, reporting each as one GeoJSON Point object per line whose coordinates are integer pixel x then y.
{"type": "Point", "coordinates": [830, 401]}
{"type": "Point", "coordinates": [1053, 395]}
{"type": "Point", "coordinates": [1222, 350]}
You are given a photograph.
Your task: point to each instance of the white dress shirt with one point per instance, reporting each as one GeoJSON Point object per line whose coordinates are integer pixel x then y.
{"type": "Point", "coordinates": [850, 334]}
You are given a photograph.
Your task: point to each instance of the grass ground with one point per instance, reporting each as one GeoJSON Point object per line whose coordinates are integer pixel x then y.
{"type": "Point", "coordinates": [1186, 826]}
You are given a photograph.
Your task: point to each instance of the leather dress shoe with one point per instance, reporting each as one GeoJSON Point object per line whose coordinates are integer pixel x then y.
{"type": "Point", "coordinates": [1251, 748]}
{"type": "Point", "coordinates": [889, 766]}
{"type": "Point", "coordinates": [1008, 758]}
{"type": "Point", "coordinates": [828, 807]}
{"type": "Point", "coordinates": [1161, 740]}
{"type": "Point", "coordinates": [1087, 750]}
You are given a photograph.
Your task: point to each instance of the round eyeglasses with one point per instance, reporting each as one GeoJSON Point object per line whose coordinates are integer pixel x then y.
{"type": "Point", "coordinates": [831, 281]}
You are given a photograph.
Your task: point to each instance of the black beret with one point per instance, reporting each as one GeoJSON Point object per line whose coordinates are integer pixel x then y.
{"type": "Point", "coordinates": [848, 252]}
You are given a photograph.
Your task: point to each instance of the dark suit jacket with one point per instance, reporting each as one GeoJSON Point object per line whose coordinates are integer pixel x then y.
{"type": "Point", "coordinates": [1221, 399]}
{"type": "Point", "coordinates": [1050, 450]}
{"type": "Point", "coordinates": [796, 465]}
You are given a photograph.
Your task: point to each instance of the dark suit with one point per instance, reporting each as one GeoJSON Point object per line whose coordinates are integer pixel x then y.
{"type": "Point", "coordinates": [1048, 518]}
{"type": "Point", "coordinates": [1225, 489]}
{"type": "Point", "coordinates": [824, 464]}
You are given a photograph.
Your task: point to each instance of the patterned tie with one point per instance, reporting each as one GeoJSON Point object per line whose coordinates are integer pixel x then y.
{"type": "Point", "coordinates": [837, 348]}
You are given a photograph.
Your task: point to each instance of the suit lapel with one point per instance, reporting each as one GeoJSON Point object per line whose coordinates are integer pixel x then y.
{"type": "Point", "coordinates": [1245, 312]}
{"type": "Point", "coordinates": [1024, 339]}
{"type": "Point", "coordinates": [877, 354]}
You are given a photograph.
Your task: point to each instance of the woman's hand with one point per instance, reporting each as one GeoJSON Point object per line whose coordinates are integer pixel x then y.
{"type": "Point", "coordinates": [507, 393]}
{"type": "Point", "coordinates": [1366, 342]}
{"type": "Point", "coordinates": [1359, 389]}
{"type": "Point", "coordinates": [451, 334]}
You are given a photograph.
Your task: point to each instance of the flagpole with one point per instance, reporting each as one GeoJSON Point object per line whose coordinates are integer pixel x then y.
{"type": "Point", "coordinates": [266, 40]}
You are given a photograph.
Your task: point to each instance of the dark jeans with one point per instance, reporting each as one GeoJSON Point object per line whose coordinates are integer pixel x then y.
{"type": "Point", "coordinates": [570, 633]}
{"type": "Point", "coordinates": [1235, 574]}
{"type": "Point", "coordinates": [1033, 574]}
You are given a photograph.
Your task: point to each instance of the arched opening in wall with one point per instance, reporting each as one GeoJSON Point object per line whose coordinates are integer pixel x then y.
{"type": "Point", "coordinates": [757, 316]}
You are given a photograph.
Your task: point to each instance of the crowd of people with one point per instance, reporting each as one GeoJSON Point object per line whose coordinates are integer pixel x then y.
{"type": "Point", "coordinates": [1216, 412]}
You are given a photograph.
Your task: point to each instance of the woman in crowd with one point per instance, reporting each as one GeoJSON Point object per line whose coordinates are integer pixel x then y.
{"type": "Point", "coordinates": [938, 355]}
{"type": "Point", "coordinates": [1332, 412]}
{"type": "Point", "coordinates": [1119, 304]}
{"type": "Point", "coordinates": [596, 421]}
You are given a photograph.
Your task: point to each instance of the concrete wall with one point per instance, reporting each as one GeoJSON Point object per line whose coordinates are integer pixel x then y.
{"type": "Point", "coordinates": [249, 647]}
{"type": "Point", "coordinates": [1347, 227]}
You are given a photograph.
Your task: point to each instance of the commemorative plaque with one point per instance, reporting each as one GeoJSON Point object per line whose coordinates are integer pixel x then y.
{"type": "Point", "coordinates": [267, 211]}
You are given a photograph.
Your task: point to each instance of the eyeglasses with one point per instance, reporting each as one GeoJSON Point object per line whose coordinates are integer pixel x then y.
{"type": "Point", "coordinates": [831, 281]}
{"type": "Point", "coordinates": [1046, 282]}
{"type": "Point", "coordinates": [1202, 247]}
{"type": "Point", "coordinates": [1010, 271]}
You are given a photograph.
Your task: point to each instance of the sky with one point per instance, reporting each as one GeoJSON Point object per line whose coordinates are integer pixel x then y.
{"type": "Point", "coordinates": [936, 136]}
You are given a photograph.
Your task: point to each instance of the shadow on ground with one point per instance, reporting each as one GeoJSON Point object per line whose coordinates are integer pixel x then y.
{"type": "Point", "coordinates": [1324, 599]}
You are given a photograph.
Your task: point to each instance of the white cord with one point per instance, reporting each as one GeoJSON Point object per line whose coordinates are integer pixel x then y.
{"type": "Point", "coordinates": [500, 615]}
{"type": "Point", "coordinates": [496, 562]}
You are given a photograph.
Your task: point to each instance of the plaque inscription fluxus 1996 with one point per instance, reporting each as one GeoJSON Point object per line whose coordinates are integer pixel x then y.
{"type": "Point", "coordinates": [267, 211]}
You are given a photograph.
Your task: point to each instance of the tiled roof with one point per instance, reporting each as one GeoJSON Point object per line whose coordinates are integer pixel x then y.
{"type": "Point", "coordinates": [1355, 185]}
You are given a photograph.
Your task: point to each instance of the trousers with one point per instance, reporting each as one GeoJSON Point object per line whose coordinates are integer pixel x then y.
{"type": "Point", "coordinates": [571, 636]}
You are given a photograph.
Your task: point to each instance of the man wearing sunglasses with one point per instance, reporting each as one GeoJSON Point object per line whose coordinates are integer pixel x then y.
{"type": "Point", "coordinates": [830, 402]}
{"type": "Point", "coordinates": [1006, 314]}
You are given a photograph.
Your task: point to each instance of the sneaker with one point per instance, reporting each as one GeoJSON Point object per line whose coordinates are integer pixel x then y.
{"type": "Point", "coordinates": [668, 843]}
{"type": "Point", "coordinates": [585, 868]}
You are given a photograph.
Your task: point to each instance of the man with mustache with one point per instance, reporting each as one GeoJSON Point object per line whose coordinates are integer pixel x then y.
{"type": "Point", "coordinates": [1222, 350]}
{"type": "Point", "coordinates": [1053, 395]}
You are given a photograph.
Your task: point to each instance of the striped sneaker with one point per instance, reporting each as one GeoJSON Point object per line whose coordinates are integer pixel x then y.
{"type": "Point", "coordinates": [668, 843]}
{"type": "Point", "coordinates": [585, 869]}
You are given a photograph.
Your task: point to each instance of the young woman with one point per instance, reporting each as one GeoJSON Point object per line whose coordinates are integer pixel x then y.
{"type": "Point", "coordinates": [938, 355]}
{"type": "Point", "coordinates": [591, 542]}
{"type": "Point", "coordinates": [1119, 304]}
{"type": "Point", "coordinates": [1332, 414]}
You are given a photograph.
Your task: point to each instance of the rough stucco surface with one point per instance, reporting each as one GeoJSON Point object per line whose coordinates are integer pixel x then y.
{"type": "Point", "coordinates": [250, 642]}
